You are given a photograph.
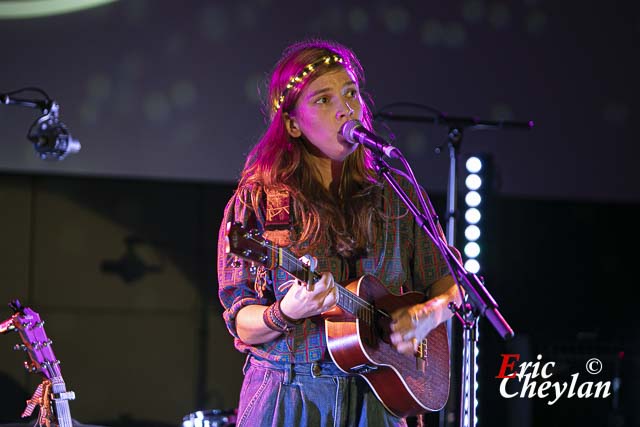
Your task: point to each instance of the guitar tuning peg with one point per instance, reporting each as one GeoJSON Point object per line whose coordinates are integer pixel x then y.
{"type": "Point", "coordinates": [18, 347]}
{"type": "Point", "coordinates": [233, 262]}
{"type": "Point", "coordinates": [47, 343]}
{"type": "Point", "coordinates": [30, 367]}
{"type": "Point", "coordinates": [40, 324]}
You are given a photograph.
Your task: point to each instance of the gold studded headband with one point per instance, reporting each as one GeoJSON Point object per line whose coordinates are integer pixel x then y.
{"type": "Point", "coordinates": [297, 79]}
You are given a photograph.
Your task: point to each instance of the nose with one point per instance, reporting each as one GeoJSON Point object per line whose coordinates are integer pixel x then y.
{"type": "Point", "coordinates": [347, 111]}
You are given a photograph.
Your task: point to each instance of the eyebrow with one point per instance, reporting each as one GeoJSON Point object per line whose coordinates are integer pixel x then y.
{"type": "Point", "coordinates": [327, 89]}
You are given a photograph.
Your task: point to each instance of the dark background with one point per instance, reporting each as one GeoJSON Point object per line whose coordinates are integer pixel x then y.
{"type": "Point", "coordinates": [114, 246]}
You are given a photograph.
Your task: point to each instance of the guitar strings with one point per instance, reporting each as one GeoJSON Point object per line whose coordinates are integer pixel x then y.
{"type": "Point", "coordinates": [349, 295]}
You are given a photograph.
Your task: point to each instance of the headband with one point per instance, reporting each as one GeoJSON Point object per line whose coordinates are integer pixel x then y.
{"type": "Point", "coordinates": [299, 78]}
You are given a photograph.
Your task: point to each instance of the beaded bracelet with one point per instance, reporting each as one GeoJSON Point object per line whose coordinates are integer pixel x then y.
{"type": "Point", "coordinates": [276, 320]}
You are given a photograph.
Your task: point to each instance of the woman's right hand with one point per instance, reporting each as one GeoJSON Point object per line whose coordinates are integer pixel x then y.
{"type": "Point", "coordinates": [299, 302]}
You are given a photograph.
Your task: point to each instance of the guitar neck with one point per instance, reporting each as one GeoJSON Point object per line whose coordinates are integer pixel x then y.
{"type": "Point", "coordinates": [63, 414]}
{"type": "Point", "coordinates": [35, 341]}
{"type": "Point", "coordinates": [347, 301]}
{"type": "Point", "coordinates": [253, 247]}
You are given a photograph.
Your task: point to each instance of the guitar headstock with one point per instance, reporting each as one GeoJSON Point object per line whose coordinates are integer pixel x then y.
{"type": "Point", "coordinates": [35, 342]}
{"type": "Point", "coordinates": [250, 245]}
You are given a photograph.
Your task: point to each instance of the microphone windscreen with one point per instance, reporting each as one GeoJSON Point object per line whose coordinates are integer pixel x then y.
{"type": "Point", "coordinates": [346, 130]}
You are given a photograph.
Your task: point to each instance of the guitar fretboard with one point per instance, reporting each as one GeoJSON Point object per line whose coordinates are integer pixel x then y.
{"type": "Point", "coordinates": [347, 301]}
{"type": "Point", "coordinates": [63, 414]}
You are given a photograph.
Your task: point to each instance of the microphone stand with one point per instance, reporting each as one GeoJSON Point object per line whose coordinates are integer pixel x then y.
{"type": "Point", "coordinates": [31, 103]}
{"type": "Point", "coordinates": [478, 301]}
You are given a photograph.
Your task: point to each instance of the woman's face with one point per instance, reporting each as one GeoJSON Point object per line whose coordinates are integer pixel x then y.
{"type": "Point", "coordinates": [321, 109]}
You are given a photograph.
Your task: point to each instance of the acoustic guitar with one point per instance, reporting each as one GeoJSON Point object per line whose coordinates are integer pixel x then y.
{"type": "Point", "coordinates": [357, 331]}
{"type": "Point", "coordinates": [35, 342]}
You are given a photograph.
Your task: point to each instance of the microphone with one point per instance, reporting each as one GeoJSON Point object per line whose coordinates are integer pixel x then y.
{"type": "Point", "coordinates": [355, 133]}
{"type": "Point", "coordinates": [50, 136]}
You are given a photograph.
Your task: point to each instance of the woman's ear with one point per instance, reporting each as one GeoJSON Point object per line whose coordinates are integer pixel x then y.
{"type": "Point", "coordinates": [292, 126]}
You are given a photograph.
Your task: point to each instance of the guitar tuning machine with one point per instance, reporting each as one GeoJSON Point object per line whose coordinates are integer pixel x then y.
{"type": "Point", "coordinates": [30, 367]}
{"type": "Point", "coordinates": [234, 262]}
{"type": "Point", "coordinates": [51, 364]}
{"type": "Point", "coordinates": [250, 234]}
{"type": "Point", "coordinates": [18, 347]}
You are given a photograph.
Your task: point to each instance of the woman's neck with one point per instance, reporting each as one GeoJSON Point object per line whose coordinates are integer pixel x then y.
{"type": "Point", "coordinates": [330, 173]}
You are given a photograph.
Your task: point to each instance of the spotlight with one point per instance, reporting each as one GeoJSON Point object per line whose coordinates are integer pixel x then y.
{"type": "Point", "coordinates": [472, 266]}
{"type": "Point", "coordinates": [472, 215]}
{"type": "Point", "coordinates": [473, 181]}
{"type": "Point", "coordinates": [473, 199]}
{"type": "Point", "coordinates": [477, 167]}
{"type": "Point", "coordinates": [472, 233]}
{"type": "Point", "coordinates": [472, 249]}
{"type": "Point", "coordinates": [473, 164]}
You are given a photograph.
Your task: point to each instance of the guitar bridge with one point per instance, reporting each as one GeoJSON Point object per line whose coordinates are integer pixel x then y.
{"type": "Point", "coordinates": [363, 369]}
{"type": "Point", "coordinates": [421, 356]}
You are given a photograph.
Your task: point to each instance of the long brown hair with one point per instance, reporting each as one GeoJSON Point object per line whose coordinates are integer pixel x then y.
{"type": "Point", "coordinates": [347, 224]}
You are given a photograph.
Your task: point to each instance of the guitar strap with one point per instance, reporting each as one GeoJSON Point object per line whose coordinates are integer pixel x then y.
{"type": "Point", "coordinates": [279, 216]}
{"type": "Point", "coordinates": [277, 228]}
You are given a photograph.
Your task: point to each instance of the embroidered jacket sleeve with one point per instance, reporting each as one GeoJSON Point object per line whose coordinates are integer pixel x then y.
{"type": "Point", "coordinates": [236, 280]}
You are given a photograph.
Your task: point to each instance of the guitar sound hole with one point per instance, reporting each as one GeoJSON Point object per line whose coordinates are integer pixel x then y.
{"type": "Point", "coordinates": [382, 327]}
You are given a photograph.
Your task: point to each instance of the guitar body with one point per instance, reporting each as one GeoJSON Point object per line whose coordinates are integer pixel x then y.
{"type": "Point", "coordinates": [406, 385]}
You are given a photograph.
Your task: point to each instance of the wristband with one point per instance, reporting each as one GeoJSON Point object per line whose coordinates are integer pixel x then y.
{"type": "Point", "coordinates": [276, 320]}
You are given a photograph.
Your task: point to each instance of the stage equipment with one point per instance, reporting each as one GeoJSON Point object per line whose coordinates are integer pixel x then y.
{"type": "Point", "coordinates": [50, 137]}
{"type": "Point", "coordinates": [210, 418]}
{"type": "Point", "coordinates": [478, 302]}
